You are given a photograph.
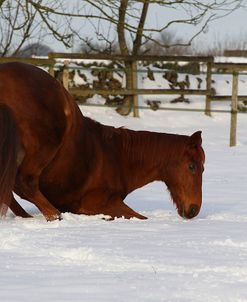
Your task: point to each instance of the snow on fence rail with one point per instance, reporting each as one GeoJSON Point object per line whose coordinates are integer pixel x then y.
{"type": "Point", "coordinates": [131, 71]}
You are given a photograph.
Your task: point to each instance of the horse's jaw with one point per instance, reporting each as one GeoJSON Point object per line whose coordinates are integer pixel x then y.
{"type": "Point", "coordinates": [187, 212]}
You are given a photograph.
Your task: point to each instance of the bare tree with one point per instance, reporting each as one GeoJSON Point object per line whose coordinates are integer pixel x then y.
{"type": "Point", "coordinates": [22, 22]}
{"type": "Point", "coordinates": [131, 23]}
{"type": "Point", "coordinates": [11, 23]}
{"type": "Point", "coordinates": [127, 21]}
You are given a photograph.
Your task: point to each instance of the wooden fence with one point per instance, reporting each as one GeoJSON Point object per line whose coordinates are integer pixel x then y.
{"type": "Point", "coordinates": [234, 69]}
{"type": "Point", "coordinates": [132, 85]}
{"type": "Point", "coordinates": [132, 71]}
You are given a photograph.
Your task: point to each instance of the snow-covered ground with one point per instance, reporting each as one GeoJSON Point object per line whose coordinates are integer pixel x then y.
{"type": "Point", "coordinates": [164, 258]}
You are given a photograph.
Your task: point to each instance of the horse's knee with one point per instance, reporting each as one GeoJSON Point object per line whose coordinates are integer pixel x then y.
{"type": "Point", "coordinates": [26, 185]}
{"type": "Point", "coordinates": [30, 181]}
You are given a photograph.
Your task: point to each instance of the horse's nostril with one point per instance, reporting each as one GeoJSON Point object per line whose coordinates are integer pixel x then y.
{"type": "Point", "coordinates": [193, 211]}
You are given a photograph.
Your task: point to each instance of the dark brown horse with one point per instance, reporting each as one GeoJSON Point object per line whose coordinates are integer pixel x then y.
{"type": "Point", "coordinates": [53, 156]}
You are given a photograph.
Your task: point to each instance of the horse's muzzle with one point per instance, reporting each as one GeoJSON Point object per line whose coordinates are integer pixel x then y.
{"type": "Point", "coordinates": [191, 212]}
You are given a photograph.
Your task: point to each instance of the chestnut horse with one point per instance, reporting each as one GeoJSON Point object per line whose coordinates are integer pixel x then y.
{"type": "Point", "coordinates": [61, 161]}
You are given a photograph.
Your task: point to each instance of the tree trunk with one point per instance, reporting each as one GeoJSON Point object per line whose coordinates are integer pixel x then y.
{"type": "Point", "coordinates": [138, 40]}
{"type": "Point", "coordinates": [125, 108]}
{"type": "Point", "coordinates": [128, 103]}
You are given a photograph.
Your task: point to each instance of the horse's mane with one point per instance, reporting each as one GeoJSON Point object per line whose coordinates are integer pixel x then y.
{"type": "Point", "coordinates": [141, 144]}
{"type": "Point", "coordinates": [152, 145]}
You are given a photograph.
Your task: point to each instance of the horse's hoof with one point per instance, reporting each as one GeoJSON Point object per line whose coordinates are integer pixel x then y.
{"type": "Point", "coordinates": [108, 218]}
{"type": "Point", "coordinates": [54, 217]}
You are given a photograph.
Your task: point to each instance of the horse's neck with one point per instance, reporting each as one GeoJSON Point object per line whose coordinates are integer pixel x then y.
{"type": "Point", "coordinates": [148, 155]}
{"type": "Point", "coordinates": [141, 156]}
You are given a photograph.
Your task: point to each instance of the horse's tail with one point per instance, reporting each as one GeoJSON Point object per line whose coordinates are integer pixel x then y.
{"type": "Point", "coordinates": [8, 157]}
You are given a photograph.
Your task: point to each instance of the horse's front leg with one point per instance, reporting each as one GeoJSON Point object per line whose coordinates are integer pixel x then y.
{"type": "Point", "coordinates": [98, 202]}
{"type": "Point", "coordinates": [117, 209]}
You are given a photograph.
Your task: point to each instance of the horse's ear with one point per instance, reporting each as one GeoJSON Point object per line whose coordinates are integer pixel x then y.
{"type": "Point", "coordinates": [195, 139]}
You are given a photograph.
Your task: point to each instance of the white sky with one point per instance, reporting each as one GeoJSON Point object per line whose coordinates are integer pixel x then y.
{"type": "Point", "coordinates": [232, 25]}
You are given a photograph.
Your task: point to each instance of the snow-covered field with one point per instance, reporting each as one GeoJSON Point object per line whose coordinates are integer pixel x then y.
{"type": "Point", "coordinates": [164, 258]}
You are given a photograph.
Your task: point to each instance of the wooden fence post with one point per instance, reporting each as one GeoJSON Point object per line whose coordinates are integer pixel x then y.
{"type": "Point", "coordinates": [233, 130]}
{"type": "Point", "coordinates": [51, 70]}
{"type": "Point", "coordinates": [208, 88]}
{"type": "Point", "coordinates": [66, 75]}
{"type": "Point", "coordinates": [51, 67]}
{"type": "Point", "coordinates": [134, 86]}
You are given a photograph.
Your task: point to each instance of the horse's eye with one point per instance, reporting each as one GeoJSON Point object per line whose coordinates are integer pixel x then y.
{"type": "Point", "coordinates": [192, 168]}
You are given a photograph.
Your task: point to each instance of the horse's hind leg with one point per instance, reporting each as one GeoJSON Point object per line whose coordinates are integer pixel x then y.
{"type": "Point", "coordinates": [17, 209]}
{"type": "Point", "coordinates": [34, 195]}
{"type": "Point", "coordinates": [45, 207]}
{"type": "Point", "coordinates": [27, 187]}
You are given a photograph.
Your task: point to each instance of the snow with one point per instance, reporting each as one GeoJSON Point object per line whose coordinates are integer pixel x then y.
{"type": "Point", "coordinates": [223, 59]}
{"type": "Point", "coordinates": [164, 258]}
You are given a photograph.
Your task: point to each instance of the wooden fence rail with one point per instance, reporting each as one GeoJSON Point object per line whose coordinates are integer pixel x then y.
{"type": "Point", "coordinates": [83, 56]}
{"type": "Point", "coordinates": [132, 84]}
{"type": "Point", "coordinates": [34, 61]}
{"type": "Point", "coordinates": [136, 91]}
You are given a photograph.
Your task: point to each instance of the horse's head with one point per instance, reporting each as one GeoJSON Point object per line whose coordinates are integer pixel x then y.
{"type": "Point", "coordinates": [184, 177]}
